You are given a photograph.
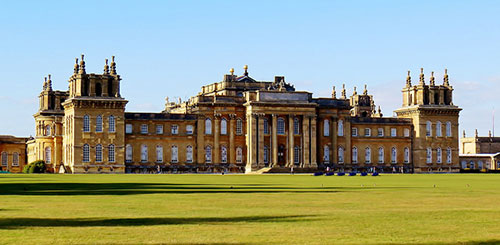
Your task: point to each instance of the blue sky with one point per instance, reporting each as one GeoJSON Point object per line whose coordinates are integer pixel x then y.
{"type": "Point", "coordinates": [172, 48]}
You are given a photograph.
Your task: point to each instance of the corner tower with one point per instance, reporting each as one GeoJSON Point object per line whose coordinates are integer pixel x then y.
{"type": "Point", "coordinates": [435, 124]}
{"type": "Point", "coordinates": [94, 119]}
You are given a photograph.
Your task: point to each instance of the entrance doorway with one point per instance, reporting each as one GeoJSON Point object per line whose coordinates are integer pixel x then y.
{"type": "Point", "coordinates": [281, 155]}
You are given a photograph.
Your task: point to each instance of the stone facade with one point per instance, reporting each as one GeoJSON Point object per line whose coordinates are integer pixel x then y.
{"type": "Point", "coordinates": [12, 153]}
{"type": "Point", "coordinates": [243, 125]}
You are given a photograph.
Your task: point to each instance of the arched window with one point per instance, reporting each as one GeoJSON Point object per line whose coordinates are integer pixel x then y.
{"type": "Point", "coordinates": [239, 126]}
{"type": "Point", "coordinates": [266, 126]}
{"type": "Point", "coordinates": [448, 155]}
{"type": "Point", "coordinates": [438, 129]}
{"type": "Point", "coordinates": [223, 154]}
{"type": "Point", "coordinates": [239, 155]}
{"type": "Point", "coordinates": [208, 154]}
{"type": "Point", "coordinates": [355, 155]}
{"type": "Point", "coordinates": [86, 153]}
{"type": "Point", "coordinates": [341, 154]}
{"type": "Point", "coordinates": [448, 129]}
{"type": "Point", "coordinates": [368, 155]}
{"type": "Point", "coordinates": [326, 127]}
{"type": "Point", "coordinates": [47, 130]}
{"type": "Point", "coordinates": [326, 154]}
{"type": "Point", "coordinates": [438, 155]}
{"type": "Point", "coordinates": [429, 155]}
{"type": "Point", "coordinates": [98, 153]}
{"type": "Point", "coordinates": [340, 127]}
{"type": "Point", "coordinates": [48, 154]}
{"type": "Point", "coordinates": [428, 129]}
{"type": "Point", "coordinates": [266, 154]}
{"type": "Point", "coordinates": [296, 155]}
{"type": "Point", "coordinates": [175, 154]}
{"type": "Point", "coordinates": [159, 153]}
{"type": "Point", "coordinates": [281, 126]}
{"type": "Point", "coordinates": [380, 155]}
{"type": "Point", "coordinates": [5, 158]}
{"type": "Point", "coordinates": [86, 123]}
{"type": "Point", "coordinates": [407, 155]}
{"type": "Point", "coordinates": [394, 155]}
{"type": "Point", "coordinates": [208, 126]}
{"type": "Point", "coordinates": [144, 153]}
{"type": "Point", "coordinates": [111, 124]}
{"type": "Point", "coordinates": [98, 124]}
{"type": "Point", "coordinates": [189, 154]}
{"type": "Point", "coordinates": [223, 126]}
{"type": "Point", "coordinates": [111, 153]}
{"type": "Point", "coordinates": [296, 126]}
{"type": "Point", "coordinates": [472, 164]}
{"type": "Point", "coordinates": [15, 159]}
{"type": "Point", "coordinates": [128, 153]}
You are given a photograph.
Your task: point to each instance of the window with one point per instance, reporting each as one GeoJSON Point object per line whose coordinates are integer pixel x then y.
{"type": "Point", "coordinates": [144, 129]}
{"type": "Point", "coordinates": [428, 129]}
{"type": "Point", "coordinates": [368, 155]}
{"type": "Point", "coordinates": [480, 164]}
{"type": "Point", "coordinates": [368, 132]}
{"type": "Point", "coordinates": [223, 154]}
{"type": "Point", "coordinates": [394, 132]}
{"type": "Point", "coordinates": [189, 154]}
{"type": "Point", "coordinates": [111, 124]}
{"type": "Point", "coordinates": [341, 154]}
{"type": "Point", "coordinates": [98, 124]}
{"type": "Point", "coordinates": [86, 153]}
{"type": "Point", "coordinates": [464, 164]}
{"type": "Point", "coordinates": [438, 155]}
{"type": "Point", "coordinates": [281, 126]}
{"type": "Point", "coordinates": [438, 129]}
{"type": "Point", "coordinates": [128, 153]}
{"type": "Point", "coordinates": [174, 129]}
{"type": "Point", "coordinates": [223, 126]}
{"type": "Point", "coordinates": [159, 153]}
{"type": "Point", "coordinates": [266, 126]}
{"type": "Point", "coordinates": [448, 155]}
{"type": "Point", "coordinates": [266, 154]}
{"type": "Point", "coordinates": [407, 132]}
{"type": "Point", "coordinates": [380, 155]}
{"type": "Point", "coordinates": [429, 155]}
{"type": "Point", "coordinates": [326, 154]}
{"type": "Point", "coordinates": [128, 128]}
{"type": "Point", "coordinates": [208, 154]}
{"type": "Point", "coordinates": [239, 127]}
{"type": "Point", "coordinates": [326, 127]}
{"type": "Point", "coordinates": [296, 155]}
{"type": "Point", "coordinates": [111, 153]}
{"type": "Point", "coordinates": [159, 129]}
{"type": "Point", "coordinates": [354, 131]}
{"type": "Point", "coordinates": [175, 154]}
{"type": "Point", "coordinates": [296, 126]}
{"type": "Point", "coordinates": [407, 155]}
{"type": "Point", "coordinates": [189, 129]}
{"type": "Point", "coordinates": [380, 132]}
{"type": "Point", "coordinates": [471, 163]}
{"type": "Point", "coordinates": [239, 155]}
{"type": "Point", "coordinates": [5, 158]}
{"type": "Point", "coordinates": [340, 128]}
{"type": "Point", "coordinates": [355, 155]}
{"type": "Point", "coordinates": [98, 153]}
{"type": "Point", "coordinates": [15, 159]}
{"type": "Point", "coordinates": [208, 126]}
{"type": "Point", "coordinates": [47, 130]}
{"type": "Point", "coordinates": [144, 153]}
{"type": "Point", "coordinates": [48, 154]}
{"type": "Point", "coordinates": [394, 155]}
{"type": "Point", "coordinates": [86, 123]}
{"type": "Point", "coordinates": [448, 129]}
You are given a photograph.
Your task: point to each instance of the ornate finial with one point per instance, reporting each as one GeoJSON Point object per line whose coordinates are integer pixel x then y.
{"type": "Point", "coordinates": [45, 83]}
{"type": "Point", "coordinates": [113, 65]}
{"type": "Point", "coordinates": [49, 83]}
{"type": "Point", "coordinates": [365, 92]}
{"type": "Point", "coordinates": [446, 82]}
{"type": "Point", "coordinates": [231, 71]}
{"type": "Point", "coordinates": [77, 67]}
{"type": "Point", "coordinates": [432, 79]}
{"type": "Point", "coordinates": [408, 80]}
{"type": "Point", "coordinates": [422, 80]}
{"type": "Point", "coordinates": [379, 110]}
{"type": "Point", "coordinates": [334, 93]}
{"type": "Point", "coordinates": [167, 99]}
{"type": "Point", "coordinates": [343, 96]}
{"type": "Point", "coordinates": [354, 92]}
{"type": "Point", "coordinates": [106, 67]}
{"type": "Point", "coordinates": [476, 133]}
{"type": "Point", "coordinates": [82, 66]}
{"type": "Point", "coordinates": [246, 70]}
{"type": "Point", "coordinates": [463, 134]}
{"type": "Point", "coordinates": [489, 133]}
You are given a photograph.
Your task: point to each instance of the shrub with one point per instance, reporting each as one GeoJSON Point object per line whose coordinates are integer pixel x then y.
{"type": "Point", "coordinates": [35, 167]}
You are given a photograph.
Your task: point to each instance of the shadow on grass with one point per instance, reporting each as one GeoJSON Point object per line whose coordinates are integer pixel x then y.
{"type": "Point", "coordinates": [484, 242]}
{"type": "Point", "coordinates": [68, 189]}
{"type": "Point", "coordinates": [14, 223]}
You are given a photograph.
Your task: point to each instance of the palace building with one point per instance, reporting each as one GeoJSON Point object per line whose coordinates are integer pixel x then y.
{"type": "Point", "coordinates": [243, 125]}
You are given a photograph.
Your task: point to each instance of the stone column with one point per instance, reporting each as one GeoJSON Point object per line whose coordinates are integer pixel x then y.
{"type": "Point", "coordinates": [232, 149]}
{"type": "Point", "coordinates": [216, 152]}
{"type": "Point", "coordinates": [348, 150]}
{"type": "Point", "coordinates": [274, 140]}
{"type": "Point", "coordinates": [260, 149]}
{"type": "Point", "coordinates": [305, 138]}
{"type": "Point", "coordinates": [56, 153]}
{"type": "Point", "coordinates": [333, 158]}
{"type": "Point", "coordinates": [291, 145]}
{"type": "Point", "coordinates": [200, 140]}
{"type": "Point", "coordinates": [314, 150]}
{"type": "Point", "coordinates": [441, 96]}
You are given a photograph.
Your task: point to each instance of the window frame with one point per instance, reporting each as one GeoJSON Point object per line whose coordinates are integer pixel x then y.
{"type": "Point", "coordinates": [129, 128]}
{"type": "Point", "coordinates": [111, 153]}
{"type": "Point", "coordinates": [111, 124]}
{"type": "Point", "coordinates": [99, 124]}
{"type": "Point", "coordinates": [144, 129]}
{"type": "Point", "coordinates": [159, 129]}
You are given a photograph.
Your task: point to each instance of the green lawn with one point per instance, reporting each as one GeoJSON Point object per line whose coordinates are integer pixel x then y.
{"type": "Point", "coordinates": [249, 209]}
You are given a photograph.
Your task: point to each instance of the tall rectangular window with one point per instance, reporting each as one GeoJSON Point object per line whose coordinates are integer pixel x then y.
{"type": "Point", "coordinates": [266, 126]}
{"type": "Point", "coordinates": [281, 126]}
{"type": "Point", "coordinates": [175, 129]}
{"type": "Point", "coordinates": [296, 126]}
{"type": "Point", "coordinates": [368, 132]}
{"type": "Point", "coordinates": [128, 128]}
{"type": "Point", "coordinates": [144, 129]}
{"type": "Point", "coordinates": [394, 132]}
{"type": "Point", "coordinates": [111, 153]}
{"type": "Point", "coordinates": [159, 154]}
{"type": "Point", "coordinates": [354, 131]}
{"type": "Point", "coordinates": [86, 123]}
{"type": "Point", "coordinates": [189, 129]}
{"type": "Point", "coordinates": [380, 132]}
{"type": "Point", "coordinates": [111, 124]}
{"type": "Point", "coordinates": [239, 127]}
{"type": "Point", "coordinates": [429, 155]}
{"type": "Point", "coordinates": [175, 154]}
{"type": "Point", "coordinates": [189, 154]}
{"type": "Point", "coordinates": [159, 129]}
{"type": "Point", "coordinates": [98, 124]}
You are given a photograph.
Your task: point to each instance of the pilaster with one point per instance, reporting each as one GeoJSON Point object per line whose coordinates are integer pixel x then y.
{"type": "Point", "coordinates": [314, 152]}
{"type": "Point", "coordinates": [216, 152]}
{"type": "Point", "coordinates": [274, 140]}
{"type": "Point", "coordinates": [305, 138]}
